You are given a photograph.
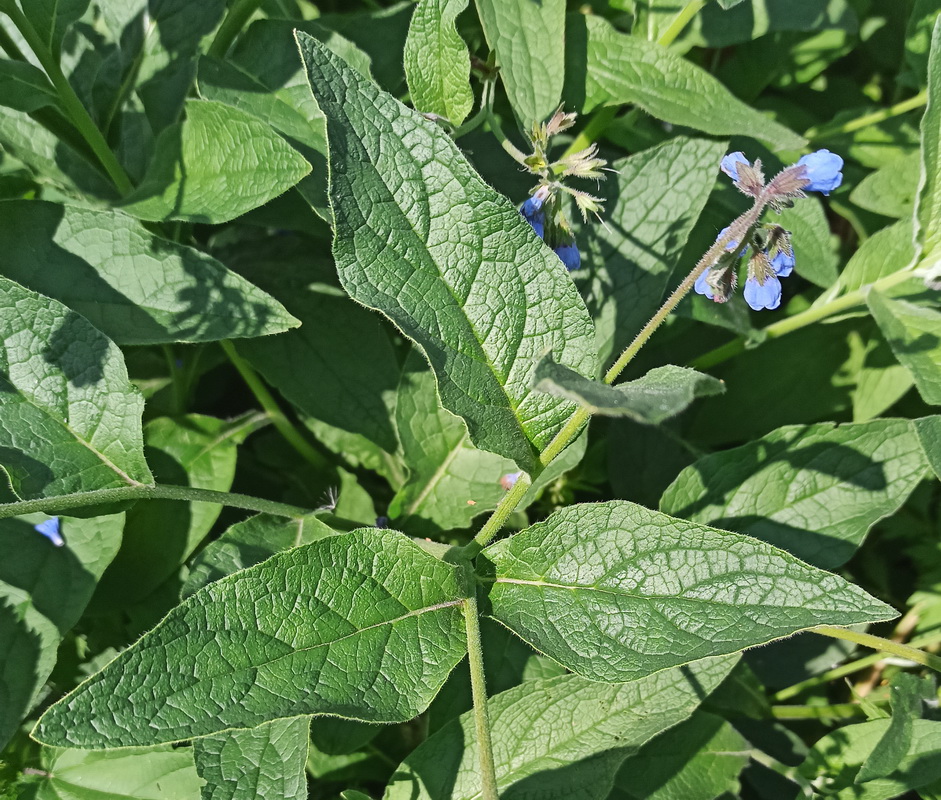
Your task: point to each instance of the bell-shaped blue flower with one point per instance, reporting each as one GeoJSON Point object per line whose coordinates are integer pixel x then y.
{"type": "Point", "coordinates": [533, 213]}
{"type": "Point", "coordinates": [701, 287]}
{"type": "Point", "coordinates": [729, 164]}
{"type": "Point", "coordinates": [51, 529]}
{"type": "Point", "coordinates": [569, 255]}
{"type": "Point", "coordinates": [763, 295]}
{"type": "Point", "coordinates": [822, 169]}
{"type": "Point", "coordinates": [782, 264]}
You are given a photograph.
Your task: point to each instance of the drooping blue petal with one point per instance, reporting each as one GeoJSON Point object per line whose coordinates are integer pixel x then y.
{"type": "Point", "coordinates": [51, 528]}
{"type": "Point", "coordinates": [531, 207]}
{"type": "Point", "coordinates": [760, 296]}
{"type": "Point", "coordinates": [729, 164]}
{"type": "Point", "coordinates": [569, 255]}
{"type": "Point", "coordinates": [733, 243]}
{"type": "Point", "coordinates": [822, 170]}
{"type": "Point", "coordinates": [782, 264]}
{"type": "Point", "coordinates": [701, 287]}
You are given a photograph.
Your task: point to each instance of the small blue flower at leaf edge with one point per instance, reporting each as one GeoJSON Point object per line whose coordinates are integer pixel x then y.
{"type": "Point", "coordinates": [531, 207]}
{"type": "Point", "coordinates": [761, 296]}
{"type": "Point", "coordinates": [822, 170]}
{"type": "Point", "coordinates": [51, 529]}
{"type": "Point", "coordinates": [569, 255]}
{"type": "Point", "coordinates": [782, 264]}
{"type": "Point", "coordinates": [729, 164]}
{"type": "Point", "coordinates": [538, 226]}
{"type": "Point", "coordinates": [702, 287]}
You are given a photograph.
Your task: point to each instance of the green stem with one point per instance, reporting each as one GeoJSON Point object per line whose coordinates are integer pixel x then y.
{"type": "Point", "coordinates": [62, 503]}
{"type": "Point", "coordinates": [802, 320]}
{"type": "Point", "coordinates": [499, 517]}
{"type": "Point", "coordinates": [10, 47]}
{"type": "Point", "coordinates": [864, 121]}
{"type": "Point", "coordinates": [846, 669]}
{"type": "Point", "coordinates": [680, 21]}
{"type": "Point", "coordinates": [838, 710]}
{"type": "Point", "coordinates": [271, 407]}
{"type": "Point", "coordinates": [495, 128]}
{"type": "Point", "coordinates": [77, 113]}
{"type": "Point", "coordinates": [233, 23]}
{"type": "Point", "coordinates": [475, 659]}
{"type": "Point", "coordinates": [883, 645]}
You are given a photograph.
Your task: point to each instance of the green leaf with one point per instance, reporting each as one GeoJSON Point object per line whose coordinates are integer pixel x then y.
{"type": "Point", "coordinates": [559, 737]}
{"type": "Point", "coordinates": [437, 64]}
{"type": "Point", "coordinates": [881, 382]}
{"type": "Point", "coordinates": [614, 591]}
{"type": "Point", "coordinates": [216, 165]}
{"type": "Point", "coordinates": [928, 199]}
{"type": "Point", "coordinates": [450, 481]}
{"type": "Point", "coordinates": [918, 37]}
{"type": "Point", "coordinates": [652, 202]}
{"type": "Point", "coordinates": [24, 87]}
{"type": "Point", "coordinates": [815, 490]}
{"type": "Point", "coordinates": [914, 334]}
{"type": "Point", "coordinates": [929, 433]}
{"type": "Point", "coordinates": [159, 535]}
{"type": "Point", "coordinates": [43, 591]}
{"type": "Point", "coordinates": [153, 774]}
{"type": "Point", "coordinates": [528, 39]}
{"type": "Point", "coordinates": [267, 761]}
{"type": "Point", "coordinates": [838, 756]}
{"type": "Point", "coordinates": [626, 69]}
{"type": "Point", "coordinates": [133, 286]}
{"type": "Point", "coordinates": [70, 420]}
{"type": "Point", "coordinates": [660, 394]}
{"type": "Point", "coordinates": [422, 238]}
{"type": "Point", "coordinates": [250, 542]}
{"type": "Point", "coordinates": [365, 626]}
{"type": "Point", "coordinates": [883, 253]}
{"type": "Point", "coordinates": [52, 18]}
{"type": "Point", "coordinates": [699, 759]}
{"type": "Point", "coordinates": [816, 257]}
{"type": "Point", "coordinates": [891, 189]}
{"type": "Point", "coordinates": [906, 693]}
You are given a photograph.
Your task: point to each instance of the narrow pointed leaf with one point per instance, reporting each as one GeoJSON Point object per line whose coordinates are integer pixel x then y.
{"type": "Point", "coordinates": [660, 394]}
{"type": "Point", "coordinates": [24, 87]}
{"type": "Point", "coordinates": [528, 39]}
{"type": "Point", "coordinates": [267, 761]}
{"type": "Point", "coordinates": [627, 69]}
{"type": "Point", "coordinates": [556, 737]}
{"type": "Point", "coordinates": [614, 591]}
{"type": "Point", "coordinates": [914, 334]}
{"type": "Point", "coordinates": [814, 490]}
{"type": "Point", "coordinates": [52, 18]}
{"type": "Point", "coordinates": [928, 199]}
{"type": "Point", "coordinates": [437, 63]}
{"type": "Point", "coordinates": [70, 420]}
{"type": "Point", "coordinates": [422, 238]}
{"type": "Point", "coordinates": [365, 626]}
{"type": "Point", "coordinates": [133, 286]}
{"type": "Point", "coordinates": [214, 166]}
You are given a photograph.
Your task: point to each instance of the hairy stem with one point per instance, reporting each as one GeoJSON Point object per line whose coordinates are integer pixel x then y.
{"type": "Point", "coordinates": [475, 659]}
{"type": "Point", "coordinates": [62, 503]}
{"type": "Point", "coordinates": [234, 21]}
{"type": "Point", "coordinates": [77, 113]}
{"type": "Point", "coordinates": [884, 645]}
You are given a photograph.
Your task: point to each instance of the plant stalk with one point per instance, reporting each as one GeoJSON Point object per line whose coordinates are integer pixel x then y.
{"type": "Point", "coordinates": [475, 659]}
{"type": "Point", "coordinates": [884, 645]}
{"type": "Point", "coordinates": [873, 118]}
{"type": "Point", "coordinates": [234, 21]}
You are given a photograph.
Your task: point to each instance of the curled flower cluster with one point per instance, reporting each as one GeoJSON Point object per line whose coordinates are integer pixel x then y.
{"type": "Point", "coordinates": [534, 212]}
{"type": "Point", "coordinates": [773, 256]}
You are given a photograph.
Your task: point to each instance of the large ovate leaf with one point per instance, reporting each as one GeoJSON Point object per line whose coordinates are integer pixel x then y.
{"type": "Point", "coordinates": [437, 63]}
{"type": "Point", "coordinates": [660, 394]}
{"type": "Point", "coordinates": [43, 591]}
{"type": "Point", "coordinates": [814, 490]}
{"type": "Point", "coordinates": [214, 166]}
{"type": "Point", "coordinates": [914, 334]}
{"type": "Point", "coordinates": [883, 253]}
{"type": "Point", "coordinates": [262, 762]}
{"type": "Point", "coordinates": [422, 238]}
{"type": "Point", "coordinates": [365, 626]}
{"type": "Point", "coordinates": [891, 189]}
{"type": "Point", "coordinates": [614, 591]}
{"type": "Point", "coordinates": [52, 18]}
{"type": "Point", "coordinates": [928, 199]}
{"type": "Point", "coordinates": [527, 38]}
{"type": "Point", "coordinates": [70, 420]}
{"type": "Point", "coordinates": [929, 434]}
{"type": "Point", "coordinates": [133, 286]}
{"type": "Point", "coordinates": [557, 737]}
{"type": "Point", "coordinates": [627, 69]}
{"type": "Point", "coordinates": [133, 774]}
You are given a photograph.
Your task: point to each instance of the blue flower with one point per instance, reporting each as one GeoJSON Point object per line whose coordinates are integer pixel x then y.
{"type": "Point", "coordinates": [763, 295]}
{"type": "Point", "coordinates": [532, 212]}
{"type": "Point", "coordinates": [822, 170]}
{"type": "Point", "coordinates": [729, 164]}
{"type": "Point", "coordinates": [569, 255]}
{"type": "Point", "coordinates": [50, 529]}
{"type": "Point", "coordinates": [733, 243]}
{"type": "Point", "coordinates": [702, 287]}
{"type": "Point", "coordinates": [782, 264]}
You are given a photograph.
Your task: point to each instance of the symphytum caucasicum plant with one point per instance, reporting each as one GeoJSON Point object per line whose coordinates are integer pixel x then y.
{"type": "Point", "coordinates": [260, 541]}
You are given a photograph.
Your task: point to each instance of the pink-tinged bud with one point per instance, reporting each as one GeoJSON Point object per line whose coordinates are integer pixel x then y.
{"type": "Point", "coordinates": [509, 480]}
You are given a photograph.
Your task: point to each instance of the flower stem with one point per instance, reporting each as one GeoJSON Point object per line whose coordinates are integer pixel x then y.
{"type": "Point", "coordinates": [475, 659]}
{"type": "Point", "coordinates": [77, 113]}
{"type": "Point", "coordinates": [234, 21]}
{"type": "Point", "coordinates": [864, 121]}
{"type": "Point", "coordinates": [680, 21]}
{"type": "Point", "coordinates": [62, 503]}
{"type": "Point", "coordinates": [883, 645]}
{"type": "Point", "coordinates": [271, 407]}
{"type": "Point", "coordinates": [802, 320]}
{"type": "Point", "coordinates": [9, 46]}
{"type": "Point", "coordinates": [836, 711]}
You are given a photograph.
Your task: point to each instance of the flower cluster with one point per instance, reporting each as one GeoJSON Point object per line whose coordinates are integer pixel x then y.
{"type": "Point", "coordinates": [773, 256]}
